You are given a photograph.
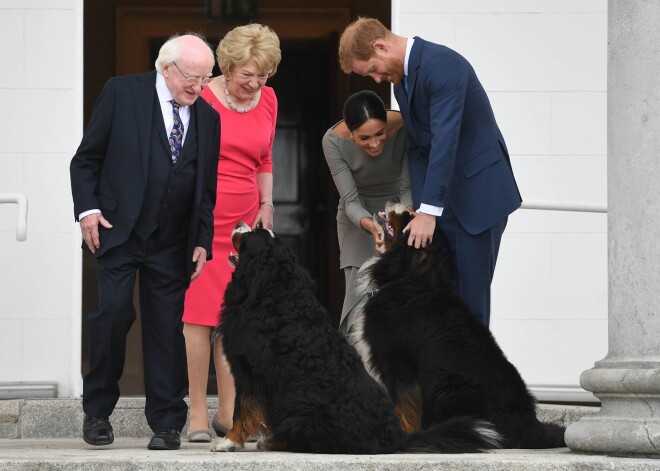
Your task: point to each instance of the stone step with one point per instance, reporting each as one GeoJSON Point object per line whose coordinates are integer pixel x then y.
{"type": "Point", "coordinates": [45, 434]}
{"type": "Point", "coordinates": [62, 418]}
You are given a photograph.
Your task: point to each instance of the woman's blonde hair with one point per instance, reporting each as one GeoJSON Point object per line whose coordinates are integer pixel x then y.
{"type": "Point", "coordinates": [253, 41]}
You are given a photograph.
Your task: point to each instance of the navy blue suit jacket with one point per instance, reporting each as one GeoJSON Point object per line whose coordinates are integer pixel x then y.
{"type": "Point", "coordinates": [457, 158]}
{"type": "Point", "coordinates": [109, 170]}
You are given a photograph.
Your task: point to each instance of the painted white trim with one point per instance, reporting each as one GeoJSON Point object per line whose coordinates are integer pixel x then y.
{"type": "Point", "coordinates": [563, 394]}
{"type": "Point", "coordinates": [579, 206]}
{"type": "Point", "coordinates": [75, 375]}
{"type": "Point", "coordinates": [396, 29]}
{"type": "Point", "coordinates": [396, 15]}
{"type": "Point", "coordinates": [28, 390]}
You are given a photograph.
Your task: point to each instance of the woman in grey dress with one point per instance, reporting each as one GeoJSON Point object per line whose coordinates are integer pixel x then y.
{"type": "Point", "coordinates": [366, 154]}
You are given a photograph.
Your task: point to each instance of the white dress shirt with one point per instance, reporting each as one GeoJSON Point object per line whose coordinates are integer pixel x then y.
{"type": "Point", "coordinates": [423, 208]}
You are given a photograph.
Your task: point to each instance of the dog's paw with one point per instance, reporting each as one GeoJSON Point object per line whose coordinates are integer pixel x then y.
{"type": "Point", "coordinates": [261, 444]}
{"type": "Point", "coordinates": [225, 444]}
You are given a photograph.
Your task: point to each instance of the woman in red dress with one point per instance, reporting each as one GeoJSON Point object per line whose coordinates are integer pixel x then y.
{"type": "Point", "coordinates": [247, 57]}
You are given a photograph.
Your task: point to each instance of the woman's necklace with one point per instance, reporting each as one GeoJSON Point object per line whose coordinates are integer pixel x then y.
{"type": "Point", "coordinates": [234, 106]}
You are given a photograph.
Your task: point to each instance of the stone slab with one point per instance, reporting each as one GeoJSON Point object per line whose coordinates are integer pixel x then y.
{"type": "Point", "coordinates": [62, 418]}
{"type": "Point", "coordinates": [132, 455]}
{"type": "Point", "coordinates": [9, 418]}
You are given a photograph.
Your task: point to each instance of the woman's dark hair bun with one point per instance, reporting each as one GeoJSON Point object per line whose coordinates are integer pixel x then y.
{"type": "Point", "coordinates": [362, 106]}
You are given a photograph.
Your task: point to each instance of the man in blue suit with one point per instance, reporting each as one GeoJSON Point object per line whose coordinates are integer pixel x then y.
{"type": "Point", "coordinates": [460, 172]}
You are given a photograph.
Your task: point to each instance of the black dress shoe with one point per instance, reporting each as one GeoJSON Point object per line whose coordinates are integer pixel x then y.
{"type": "Point", "coordinates": [165, 439]}
{"type": "Point", "coordinates": [97, 431]}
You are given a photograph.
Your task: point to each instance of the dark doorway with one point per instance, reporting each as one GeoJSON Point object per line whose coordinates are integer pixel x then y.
{"type": "Point", "coordinates": [306, 95]}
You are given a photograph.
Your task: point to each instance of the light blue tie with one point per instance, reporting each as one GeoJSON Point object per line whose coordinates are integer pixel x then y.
{"type": "Point", "coordinates": [176, 136]}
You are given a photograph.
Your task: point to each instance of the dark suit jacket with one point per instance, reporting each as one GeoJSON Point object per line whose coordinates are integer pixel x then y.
{"type": "Point", "coordinates": [457, 158]}
{"type": "Point", "coordinates": [109, 170]}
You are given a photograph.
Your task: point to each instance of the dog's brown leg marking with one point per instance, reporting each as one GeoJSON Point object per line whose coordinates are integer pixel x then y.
{"type": "Point", "coordinates": [408, 409]}
{"type": "Point", "coordinates": [251, 422]}
{"type": "Point", "coordinates": [236, 434]}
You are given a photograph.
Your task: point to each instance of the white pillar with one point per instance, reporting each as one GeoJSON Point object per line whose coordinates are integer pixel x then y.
{"type": "Point", "coordinates": [627, 380]}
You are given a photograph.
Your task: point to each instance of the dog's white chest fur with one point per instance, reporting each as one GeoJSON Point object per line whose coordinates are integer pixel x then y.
{"type": "Point", "coordinates": [365, 285]}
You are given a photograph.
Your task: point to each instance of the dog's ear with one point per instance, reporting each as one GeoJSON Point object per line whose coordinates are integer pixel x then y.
{"type": "Point", "coordinates": [407, 217]}
{"type": "Point", "coordinates": [236, 239]}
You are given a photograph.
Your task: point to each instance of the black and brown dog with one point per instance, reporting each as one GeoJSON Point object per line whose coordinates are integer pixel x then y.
{"type": "Point", "coordinates": [418, 339]}
{"type": "Point", "coordinates": [298, 382]}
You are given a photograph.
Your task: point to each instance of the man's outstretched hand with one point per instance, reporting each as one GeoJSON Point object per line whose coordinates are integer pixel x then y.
{"type": "Point", "coordinates": [421, 228]}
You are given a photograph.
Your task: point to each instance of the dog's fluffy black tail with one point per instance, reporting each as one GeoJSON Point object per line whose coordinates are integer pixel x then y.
{"type": "Point", "coordinates": [529, 432]}
{"type": "Point", "coordinates": [455, 435]}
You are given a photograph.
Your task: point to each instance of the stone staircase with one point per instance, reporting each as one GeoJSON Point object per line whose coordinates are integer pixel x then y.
{"type": "Point", "coordinates": [62, 418]}
{"type": "Point", "coordinates": [45, 434]}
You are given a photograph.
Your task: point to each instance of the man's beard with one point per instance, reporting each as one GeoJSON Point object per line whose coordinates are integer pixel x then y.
{"type": "Point", "coordinates": [394, 69]}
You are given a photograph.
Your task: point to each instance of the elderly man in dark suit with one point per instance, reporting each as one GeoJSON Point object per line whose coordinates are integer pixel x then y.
{"type": "Point", "coordinates": [144, 188]}
{"type": "Point", "coordinates": [460, 172]}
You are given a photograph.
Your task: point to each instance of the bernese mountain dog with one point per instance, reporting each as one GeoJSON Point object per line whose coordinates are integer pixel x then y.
{"type": "Point", "coordinates": [419, 340]}
{"type": "Point", "coordinates": [299, 384]}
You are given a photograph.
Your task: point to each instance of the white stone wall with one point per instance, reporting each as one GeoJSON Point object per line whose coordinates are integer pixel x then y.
{"type": "Point", "coordinates": [543, 63]}
{"type": "Point", "coordinates": [40, 126]}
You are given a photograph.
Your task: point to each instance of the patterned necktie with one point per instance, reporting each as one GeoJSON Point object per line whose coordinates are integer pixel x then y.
{"type": "Point", "coordinates": [176, 136]}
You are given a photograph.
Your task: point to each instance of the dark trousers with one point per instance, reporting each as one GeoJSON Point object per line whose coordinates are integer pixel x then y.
{"type": "Point", "coordinates": [163, 285]}
{"type": "Point", "coordinates": [473, 264]}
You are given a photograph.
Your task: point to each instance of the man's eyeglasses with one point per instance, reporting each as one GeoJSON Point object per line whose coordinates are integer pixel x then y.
{"type": "Point", "coordinates": [193, 79]}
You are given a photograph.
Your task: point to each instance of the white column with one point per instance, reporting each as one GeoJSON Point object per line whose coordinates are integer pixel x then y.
{"type": "Point", "coordinates": [627, 380]}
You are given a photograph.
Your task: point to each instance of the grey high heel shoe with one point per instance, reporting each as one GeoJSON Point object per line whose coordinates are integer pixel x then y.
{"type": "Point", "coordinates": [199, 436]}
{"type": "Point", "coordinates": [220, 430]}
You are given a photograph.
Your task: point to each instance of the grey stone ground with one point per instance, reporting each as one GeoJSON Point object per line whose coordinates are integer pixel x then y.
{"type": "Point", "coordinates": [132, 454]}
{"type": "Point", "coordinates": [44, 435]}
